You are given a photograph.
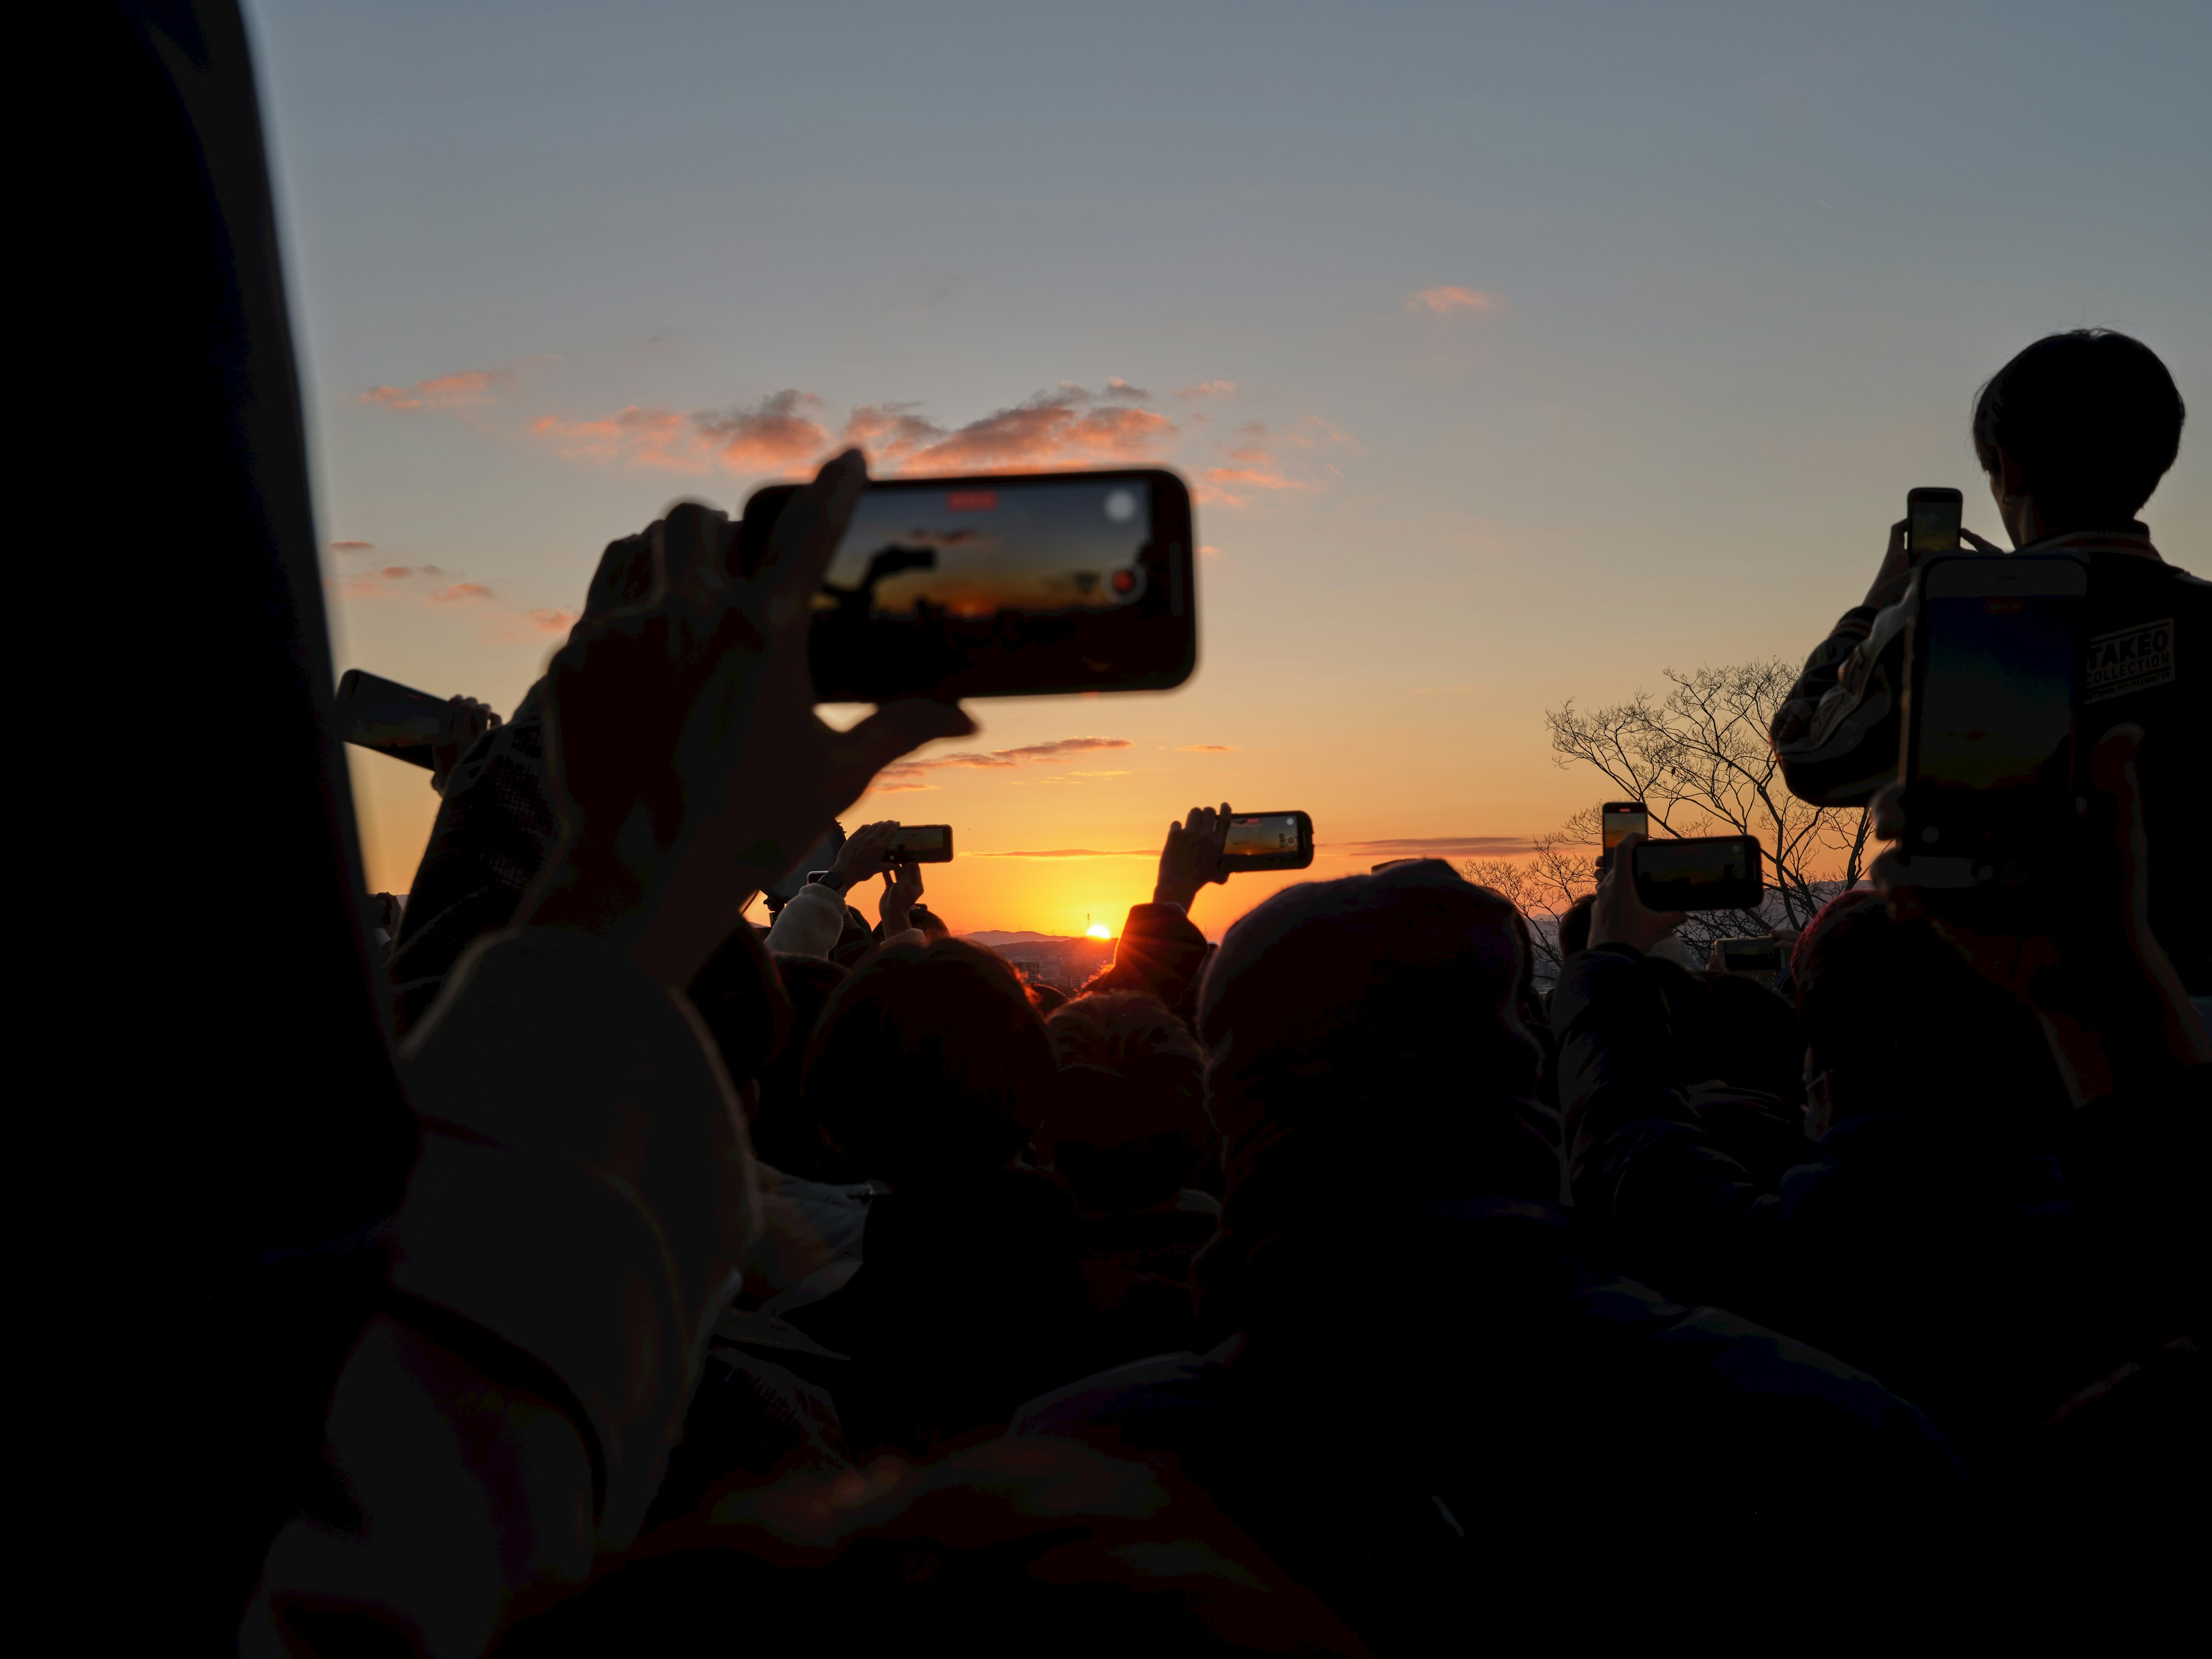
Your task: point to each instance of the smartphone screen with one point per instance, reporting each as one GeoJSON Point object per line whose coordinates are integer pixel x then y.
{"type": "Point", "coordinates": [1994, 703]}
{"type": "Point", "coordinates": [1268, 841]}
{"type": "Point", "coordinates": [1751, 956]}
{"type": "Point", "coordinates": [1932, 521]}
{"type": "Point", "coordinates": [1621, 818]}
{"type": "Point", "coordinates": [922, 843]}
{"type": "Point", "coordinates": [388, 717]}
{"type": "Point", "coordinates": [1001, 587]}
{"type": "Point", "coordinates": [1709, 872]}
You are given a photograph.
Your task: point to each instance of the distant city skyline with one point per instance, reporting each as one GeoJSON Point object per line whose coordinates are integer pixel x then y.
{"type": "Point", "coordinates": [1514, 354]}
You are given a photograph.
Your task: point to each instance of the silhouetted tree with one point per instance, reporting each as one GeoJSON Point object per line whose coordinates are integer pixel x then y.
{"type": "Point", "coordinates": [1699, 760]}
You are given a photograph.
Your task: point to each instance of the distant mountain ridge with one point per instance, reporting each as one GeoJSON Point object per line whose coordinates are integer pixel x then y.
{"type": "Point", "coordinates": [994, 939]}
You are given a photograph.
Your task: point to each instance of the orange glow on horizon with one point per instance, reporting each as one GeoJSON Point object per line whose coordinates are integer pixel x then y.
{"type": "Point", "coordinates": [1098, 930]}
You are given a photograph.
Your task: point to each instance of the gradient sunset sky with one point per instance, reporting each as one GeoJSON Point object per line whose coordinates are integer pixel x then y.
{"type": "Point", "coordinates": [1514, 353]}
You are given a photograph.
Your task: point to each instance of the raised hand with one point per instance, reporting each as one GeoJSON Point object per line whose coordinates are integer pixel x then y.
{"type": "Point", "coordinates": [902, 892]}
{"type": "Point", "coordinates": [862, 854]}
{"type": "Point", "coordinates": [1618, 917]}
{"type": "Point", "coordinates": [682, 750]}
{"type": "Point", "coordinates": [1191, 857]}
{"type": "Point", "coordinates": [461, 723]}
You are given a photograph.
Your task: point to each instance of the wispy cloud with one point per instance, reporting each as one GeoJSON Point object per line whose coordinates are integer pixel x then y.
{"type": "Point", "coordinates": [1050, 430]}
{"type": "Point", "coordinates": [459, 593]}
{"type": "Point", "coordinates": [464, 390]}
{"type": "Point", "coordinates": [1434, 847]}
{"type": "Point", "coordinates": [1452, 301]}
{"type": "Point", "coordinates": [789, 431]}
{"type": "Point", "coordinates": [658, 439]}
{"type": "Point", "coordinates": [778, 435]}
{"type": "Point", "coordinates": [353, 547]}
{"type": "Point", "coordinates": [1076, 853]}
{"type": "Point", "coordinates": [1255, 465]}
{"type": "Point", "coordinates": [907, 775]}
{"type": "Point", "coordinates": [1207, 749]}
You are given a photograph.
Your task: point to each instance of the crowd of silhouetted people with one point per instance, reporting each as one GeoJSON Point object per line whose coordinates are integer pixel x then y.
{"type": "Point", "coordinates": [661, 1281]}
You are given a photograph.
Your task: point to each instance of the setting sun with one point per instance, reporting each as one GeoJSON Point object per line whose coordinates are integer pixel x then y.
{"type": "Point", "coordinates": [1098, 930]}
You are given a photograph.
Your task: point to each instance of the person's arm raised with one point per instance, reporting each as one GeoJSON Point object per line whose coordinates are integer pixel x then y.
{"type": "Point", "coordinates": [1190, 858]}
{"type": "Point", "coordinates": [682, 747]}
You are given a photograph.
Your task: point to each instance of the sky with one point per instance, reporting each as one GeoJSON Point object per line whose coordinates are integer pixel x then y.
{"type": "Point", "coordinates": [1514, 353]}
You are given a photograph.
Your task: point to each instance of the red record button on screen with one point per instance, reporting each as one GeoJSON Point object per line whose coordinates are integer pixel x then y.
{"type": "Point", "coordinates": [1124, 580]}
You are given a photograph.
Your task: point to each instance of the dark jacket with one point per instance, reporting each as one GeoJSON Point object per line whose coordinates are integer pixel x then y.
{"type": "Point", "coordinates": [1837, 735]}
{"type": "Point", "coordinates": [1470, 1426]}
{"type": "Point", "coordinates": [1930, 1244]}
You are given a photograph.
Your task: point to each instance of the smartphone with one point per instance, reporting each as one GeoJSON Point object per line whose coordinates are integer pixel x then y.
{"type": "Point", "coordinates": [392, 719]}
{"type": "Point", "coordinates": [921, 844]}
{"type": "Point", "coordinates": [1267, 841]}
{"type": "Point", "coordinates": [1751, 956]}
{"type": "Point", "coordinates": [1001, 587]}
{"type": "Point", "coordinates": [1705, 872]}
{"type": "Point", "coordinates": [1617, 819]}
{"type": "Point", "coordinates": [1993, 656]}
{"type": "Point", "coordinates": [1931, 521]}
{"type": "Point", "coordinates": [819, 857]}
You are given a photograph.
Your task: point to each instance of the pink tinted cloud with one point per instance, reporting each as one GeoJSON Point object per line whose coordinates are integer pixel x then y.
{"type": "Point", "coordinates": [1207, 749]}
{"type": "Point", "coordinates": [778, 435]}
{"type": "Point", "coordinates": [906, 775]}
{"type": "Point", "coordinates": [465, 390]}
{"type": "Point", "coordinates": [1208, 389]}
{"type": "Point", "coordinates": [460, 592]}
{"type": "Point", "coordinates": [1051, 430]}
{"type": "Point", "coordinates": [353, 547]}
{"type": "Point", "coordinates": [658, 440]}
{"type": "Point", "coordinates": [1452, 301]}
{"type": "Point", "coordinates": [550, 622]}
{"type": "Point", "coordinates": [889, 434]}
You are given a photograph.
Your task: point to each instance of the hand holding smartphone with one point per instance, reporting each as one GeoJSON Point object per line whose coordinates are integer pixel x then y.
{"type": "Point", "coordinates": [392, 719]}
{"type": "Point", "coordinates": [1001, 586]}
{"type": "Point", "coordinates": [1932, 517]}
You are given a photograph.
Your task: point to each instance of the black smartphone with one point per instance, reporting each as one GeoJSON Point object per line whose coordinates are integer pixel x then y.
{"type": "Point", "coordinates": [1751, 954]}
{"type": "Point", "coordinates": [1267, 841]}
{"type": "Point", "coordinates": [1931, 521]}
{"type": "Point", "coordinates": [1001, 587]}
{"type": "Point", "coordinates": [1617, 819]}
{"type": "Point", "coordinates": [1704, 873]}
{"type": "Point", "coordinates": [921, 844]}
{"type": "Point", "coordinates": [1993, 655]}
{"type": "Point", "coordinates": [392, 719]}
{"type": "Point", "coordinates": [818, 857]}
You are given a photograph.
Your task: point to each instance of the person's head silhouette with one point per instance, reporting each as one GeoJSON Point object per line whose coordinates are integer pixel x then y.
{"type": "Point", "coordinates": [2076, 432]}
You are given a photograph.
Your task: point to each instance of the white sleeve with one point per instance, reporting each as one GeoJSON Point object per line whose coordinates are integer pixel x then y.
{"type": "Point", "coordinates": [810, 925]}
{"type": "Point", "coordinates": [585, 1194]}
